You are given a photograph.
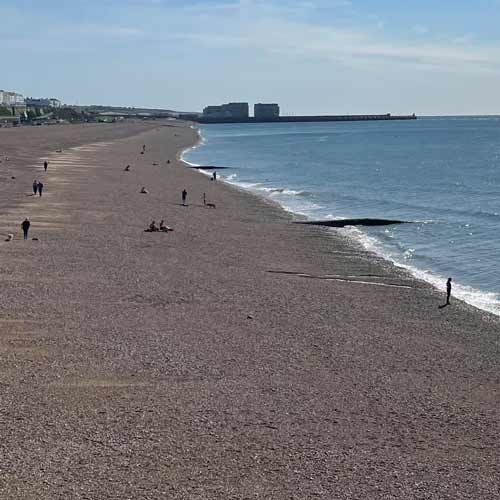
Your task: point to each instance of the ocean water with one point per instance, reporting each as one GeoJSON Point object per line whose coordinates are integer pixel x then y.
{"type": "Point", "coordinates": [443, 174]}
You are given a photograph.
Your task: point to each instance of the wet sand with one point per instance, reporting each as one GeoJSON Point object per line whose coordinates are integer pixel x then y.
{"type": "Point", "coordinates": [240, 356]}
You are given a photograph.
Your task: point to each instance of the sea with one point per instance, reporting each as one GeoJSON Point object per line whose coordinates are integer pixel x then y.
{"type": "Point", "coordinates": [440, 173]}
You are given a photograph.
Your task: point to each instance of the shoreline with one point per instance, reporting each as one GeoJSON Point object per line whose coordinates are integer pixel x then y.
{"type": "Point", "coordinates": [471, 296]}
{"type": "Point", "coordinates": [237, 356]}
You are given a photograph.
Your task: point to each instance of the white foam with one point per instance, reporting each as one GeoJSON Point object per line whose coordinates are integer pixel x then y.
{"type": "Point", "coordinates": [487, 301]}
{"type": "Point", "coordinates": [291, 201]}
{"type": "Point", "coordinates": [285, 191]}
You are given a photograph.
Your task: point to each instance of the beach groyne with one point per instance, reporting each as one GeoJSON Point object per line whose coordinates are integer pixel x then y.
{"type": "Point", "coordinates": [352, 222]}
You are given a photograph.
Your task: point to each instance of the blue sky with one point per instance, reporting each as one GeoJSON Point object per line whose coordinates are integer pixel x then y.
{"type": "Point", "coordinates": [311, 56]}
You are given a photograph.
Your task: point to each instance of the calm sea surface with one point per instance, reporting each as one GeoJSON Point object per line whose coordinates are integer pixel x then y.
{"type": "Point", "coordinates": [441, 173]}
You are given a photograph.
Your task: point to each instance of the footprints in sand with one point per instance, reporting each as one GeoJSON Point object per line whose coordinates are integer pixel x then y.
{"type": "Point", "coordinates": [65, 168]}
{"type": "Point", "coordinates": [25, 340]}
{"type": "Point", "coordinates": [20, 341]}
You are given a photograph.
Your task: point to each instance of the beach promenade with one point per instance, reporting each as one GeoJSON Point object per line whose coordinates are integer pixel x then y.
{"type": "Point", "coordinates": [238, 357]}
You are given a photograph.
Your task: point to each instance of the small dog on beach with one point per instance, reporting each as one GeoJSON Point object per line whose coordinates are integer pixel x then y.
{"type": "Point", "coordinates": [210, 205]}
{"type": "Point", "coordinates": [10, 237]}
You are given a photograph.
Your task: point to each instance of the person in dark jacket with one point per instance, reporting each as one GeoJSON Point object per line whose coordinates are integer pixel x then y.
{"type": "Point", "coordinates": [45, 165]}
{"type": "Point", "coordinates": [448, 291]}
{"type": "Point", "coordinates": [35, 186]}
{"type": "Point", "coordinates": [26, 226]}
{"type": "Point", "coordinates": [40, 188]}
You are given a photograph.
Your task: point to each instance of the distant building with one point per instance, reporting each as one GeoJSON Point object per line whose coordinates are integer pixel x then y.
{"type": "Point", "coordinates": [230, 110]}
{"type": "Point", "coordinates": [8, 98]}
{"type": "Point", "coordinates": [238, 109]}
{"type": "Point", "coordinates": [266, 111]}
{"type": "Point", "coordinates": [214, 111]}
{"type": "Point", "coordinates": [37, 103]}
{"type": "Point", "coordinates": [11, 99]}
{"type": "Point", "coordinates": [13, 102]}
{"type": "Point", "coordinates": [43, 102]}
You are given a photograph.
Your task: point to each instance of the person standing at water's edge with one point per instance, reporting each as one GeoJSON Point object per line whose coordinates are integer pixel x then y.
{"type": "Point", "coordinates": [25, 225]}
{"type": "Point", "coordinates": [448, 291]}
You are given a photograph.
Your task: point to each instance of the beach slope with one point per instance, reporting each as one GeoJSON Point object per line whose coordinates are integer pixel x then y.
{"type": "Point", "coordinates": [238, 356]}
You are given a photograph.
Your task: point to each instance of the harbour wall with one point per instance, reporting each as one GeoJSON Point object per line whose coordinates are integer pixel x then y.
{"type": "Point", "coordinates": [317, 118]}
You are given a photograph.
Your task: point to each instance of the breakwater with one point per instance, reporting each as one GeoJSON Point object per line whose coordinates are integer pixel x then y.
{"type": "Point", "coordinates": [301, 119]}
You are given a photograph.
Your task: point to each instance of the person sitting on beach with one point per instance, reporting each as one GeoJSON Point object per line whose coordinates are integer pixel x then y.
{"type": "Point", "coordinates": [144, 190]}
{"type": "Point", "coordinates": [152, 227]}
{"type": "Point", "coordinates": [163, 227]}
{"type": "Point", "coordinates": [127, 168]}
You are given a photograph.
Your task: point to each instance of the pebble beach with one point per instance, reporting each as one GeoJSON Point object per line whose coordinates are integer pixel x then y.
{"type": "Point", "coordinates": [240, 356]}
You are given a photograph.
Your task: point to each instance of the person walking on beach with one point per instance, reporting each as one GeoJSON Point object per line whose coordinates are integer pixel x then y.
{"type": "Point", "coordinates": [184, 196]}
{"type": "Point", "coordinates": [214, 176]}
{"type": "Point", "coordinates": [35, 186]}
{"type": "Point", "coordinates": [45, 165]}
{"type": "Point", "coordinates": [40, 188]}
{"type": "Point", "coordinates": [448, 291]}
{"type": "Point", "coordinates": [25, 225]}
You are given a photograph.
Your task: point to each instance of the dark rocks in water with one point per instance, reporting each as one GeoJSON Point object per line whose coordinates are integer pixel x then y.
{"type": "Point", "coordinates": [353, 222]}
{"type": "Point", "coordinates": [209, 167]}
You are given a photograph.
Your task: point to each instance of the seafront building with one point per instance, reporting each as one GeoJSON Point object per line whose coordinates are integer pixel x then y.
{"type": "Point", "coordinates": [12, 104]}
{"type": "Point", "coordinates": [43, 102]}
{"type": "Point", "coordinates": [9, 99]}
{"type": "Point", "coordinates": [14, 107]}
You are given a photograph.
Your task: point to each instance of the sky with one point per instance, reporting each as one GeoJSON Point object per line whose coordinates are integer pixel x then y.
{"type": "Point", "coordinates": [439, 57]}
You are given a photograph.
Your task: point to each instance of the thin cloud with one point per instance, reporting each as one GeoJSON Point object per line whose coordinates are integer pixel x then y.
{"type": "Point", "coordinates": [420, 29]}
{"type": "Point", "coordinates": [108, 31]}
{"type": "Point", "coordinates": [348, 45]}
